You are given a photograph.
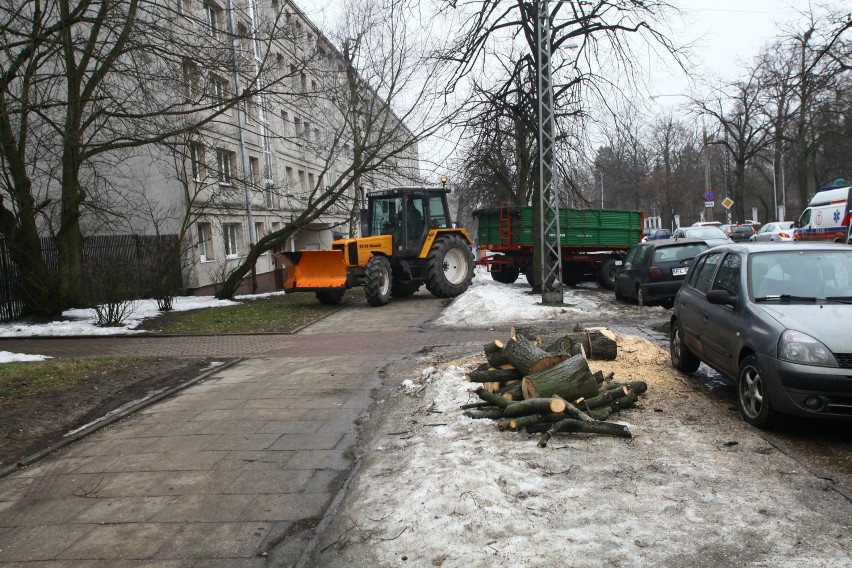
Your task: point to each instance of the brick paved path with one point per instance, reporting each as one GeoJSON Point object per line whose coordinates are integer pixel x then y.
{"type": "Point", "coordinates": [235, 470]}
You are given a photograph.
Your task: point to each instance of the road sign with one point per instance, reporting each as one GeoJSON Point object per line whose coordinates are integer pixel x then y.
{"type": "Point", "coordinates": [709, 204]}
{"type": "Point", "coordinates": [727, 202]}
{"type": "Point", "coordinates": [709, 195]}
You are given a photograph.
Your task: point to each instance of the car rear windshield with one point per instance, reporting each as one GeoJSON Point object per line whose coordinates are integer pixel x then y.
{"type": "Point", "coordinates": [678, 253]}
{"type": "Point", "coordinates": [801, 274]}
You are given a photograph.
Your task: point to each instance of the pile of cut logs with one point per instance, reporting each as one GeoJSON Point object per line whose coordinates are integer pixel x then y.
{"type": "Point", "coordinates": [550, 389]}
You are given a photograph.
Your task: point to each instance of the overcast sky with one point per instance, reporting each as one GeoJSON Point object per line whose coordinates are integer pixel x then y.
{"type": "Point", "coordinates": [724, 34]}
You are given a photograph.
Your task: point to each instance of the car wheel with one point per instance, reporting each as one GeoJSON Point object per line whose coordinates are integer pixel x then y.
{"type": "Point", "coordinates": [683, 359]}
{"type": "Point", "coordinates": [618, 295]}
{"type": "Point", "coordinates": [751, 394]}
{"type": "Point", "coordinates": [641, 300]}
{"type": "Point", "coordinates": [668, 303]}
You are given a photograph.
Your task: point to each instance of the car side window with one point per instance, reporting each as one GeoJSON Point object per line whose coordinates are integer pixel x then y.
{"type": "Point", "coordinates": [702, 275]}
{"type": "Point", "coordinates": [631, 257]}
{"type": "Point", "coordinates": [641, 256]}
{"type": "Point", "coordinates": [728, 276]}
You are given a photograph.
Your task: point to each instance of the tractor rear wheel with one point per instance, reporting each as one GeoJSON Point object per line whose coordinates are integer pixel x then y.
{"type": "Point", "coordinates": [377, 281]}
{"type": "Point", "coordinates": [449, 267]}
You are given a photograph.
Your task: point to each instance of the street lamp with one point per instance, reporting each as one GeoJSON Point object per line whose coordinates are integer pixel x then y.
{"type": "Point", "coordinates": [444, 180]}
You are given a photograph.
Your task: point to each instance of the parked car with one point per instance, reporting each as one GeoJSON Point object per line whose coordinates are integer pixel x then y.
{"type": "Point", "coordinates": [657, 234]}
{"type": "Point", "coordinates": [713, 236]}
{"type": "Point", "coordinates": [772, 232]}
{"type": "Point", "coordinates": [777, 320]}
{"type": "Point", "coordinates": [653, 271]}
{"type": "Point", "coordinates": [738, 233]}
{"type": "Point", "coordinates": [707, 224]}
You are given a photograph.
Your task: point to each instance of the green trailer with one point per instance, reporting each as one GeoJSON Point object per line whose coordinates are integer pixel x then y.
{"type": "Point", "coordinates": [592, 241]}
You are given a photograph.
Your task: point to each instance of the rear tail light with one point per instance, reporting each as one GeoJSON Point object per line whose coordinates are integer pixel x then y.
{"type": "Point", "coordinates": [784, 235]}
{"type": "Point", "coordinates": [654, 272]}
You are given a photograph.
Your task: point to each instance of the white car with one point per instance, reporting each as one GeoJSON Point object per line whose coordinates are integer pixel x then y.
{"type": "Point", "coordinates": [773, 232]}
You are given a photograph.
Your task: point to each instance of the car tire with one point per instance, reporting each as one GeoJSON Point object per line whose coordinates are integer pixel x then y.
{"type": "Point", "coordinates": [329, 297]}
{"type": "Point", "coordinates": [668, 303]}
{"type": "Point", "coordinates": [506, 274]}
{"type": "Point", "coordinates": [618, 295]}
{"type": "Point", "coordinates": [683, 359]}
{"type": "Point", "coordinates": [752, 398]}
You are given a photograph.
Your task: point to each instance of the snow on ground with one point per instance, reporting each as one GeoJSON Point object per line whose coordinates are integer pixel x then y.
{"type": "Point", "coordinates": [487, 301]}
{"type": "Point", "coordinates": [694, 486]}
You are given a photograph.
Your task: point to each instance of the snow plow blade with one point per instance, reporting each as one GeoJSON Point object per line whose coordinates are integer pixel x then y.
{"type": "Point", "coordinates": [313, 269]}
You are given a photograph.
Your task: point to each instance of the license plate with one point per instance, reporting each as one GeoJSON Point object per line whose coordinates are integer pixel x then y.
{"type": "Point", "coordinates": [679, 271]}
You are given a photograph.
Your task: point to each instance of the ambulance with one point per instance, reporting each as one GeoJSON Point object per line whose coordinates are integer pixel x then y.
{"type": "Point", "coordinates": [827, 215]}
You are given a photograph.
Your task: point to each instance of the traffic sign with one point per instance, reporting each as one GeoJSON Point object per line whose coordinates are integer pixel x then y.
{"type": "Point", "coordinates": [727, 202]}
{"type": "Point", "coordinates": [709, 195]}
{"type": "Point", "coordinates": [709, 204]}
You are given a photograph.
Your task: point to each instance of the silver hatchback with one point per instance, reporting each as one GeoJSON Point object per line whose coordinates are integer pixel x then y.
{"type": "Point", "coordinates": [775, 318]}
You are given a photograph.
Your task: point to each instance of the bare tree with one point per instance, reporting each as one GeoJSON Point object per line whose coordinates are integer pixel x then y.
{"type": "Point", "coordinates": [83, 81]}
{"type": "Point", "coordinates": [380, 101]}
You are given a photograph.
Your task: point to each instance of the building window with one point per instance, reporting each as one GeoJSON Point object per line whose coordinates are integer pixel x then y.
{"type": "Point", "coordinates": [218, 91]}
{"type": "Point", "coordinates": [285, 123]}
{"type": "Point", "coordinates": [297, 126]}
{"type": "Point", "coordinates": [259, 231]}
{"type": "Point", "coordinates": [225, 165]}
{"type": "Point", "coordinates": [196, 160]}
{"type": "Point", "coordinates": [254, 171]}
{"type": "Point", "coordinates": [251, 108]}
{"type": "Point", "coordinates": [190, 80]}
{"type": "Point", "coordinates": [205, 242]}
{"type": "Point", "coordinates": [291, 182]}
{"type": "Point", "coordinates": [302, 181]}
{"type": "Point", "coordinates": [231, 234]}
{"type": "Point", "coordinates": [212, 19]}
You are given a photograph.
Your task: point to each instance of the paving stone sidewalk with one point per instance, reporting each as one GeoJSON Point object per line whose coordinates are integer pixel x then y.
{"type": "Point", "coordinates": [236, 470]}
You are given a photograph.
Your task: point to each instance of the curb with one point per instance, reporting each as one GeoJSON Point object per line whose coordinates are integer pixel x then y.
{"type": "Point", "coordinates": [111, 419]}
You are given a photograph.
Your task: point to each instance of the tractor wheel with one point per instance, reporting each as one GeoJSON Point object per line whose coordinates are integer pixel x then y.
{"type": "Point", "coordinates": [377, 281]}
{"type": "Point", "coordinates": [330, 297]}
{"type": "Point", "coordinates": [449, 267]}
{"type": "Point", "coordinates": [404, 289]}
{"type": "Point", "coordinates": [506, 274]}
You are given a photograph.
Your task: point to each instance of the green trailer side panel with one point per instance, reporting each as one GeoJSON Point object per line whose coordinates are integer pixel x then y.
{"type": "Point", "coordinates": [578, 227]}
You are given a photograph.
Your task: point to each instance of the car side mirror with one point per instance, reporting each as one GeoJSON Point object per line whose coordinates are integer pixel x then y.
{"type": "Point", "coordinates": [722, 297]}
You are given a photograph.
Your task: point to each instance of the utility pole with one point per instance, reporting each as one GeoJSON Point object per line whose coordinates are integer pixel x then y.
{"type": "Point", "coordinates": [551, 257]}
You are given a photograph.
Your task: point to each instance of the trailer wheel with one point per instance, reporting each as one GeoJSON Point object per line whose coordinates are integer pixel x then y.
{"type": "Point", "coordinates": [377, 281]}
{"type": "Point", "coordinates": [330, 297]}
{"type": "Point", "coordinates": [506, 275]}
{"type": "Point", "coordinates": [606, 274]}
{"type": "Point", "coordinates": [449, 267]}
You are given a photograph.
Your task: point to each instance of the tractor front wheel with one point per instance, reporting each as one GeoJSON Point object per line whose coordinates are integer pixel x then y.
{"type": "Point", "coordinates": [449, 267]}
{"type": "Point", "coordinates": [377, 281]}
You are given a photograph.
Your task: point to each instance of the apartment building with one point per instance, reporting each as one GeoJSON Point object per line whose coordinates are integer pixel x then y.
{"type": "Point", "coordinates": [263, 160]}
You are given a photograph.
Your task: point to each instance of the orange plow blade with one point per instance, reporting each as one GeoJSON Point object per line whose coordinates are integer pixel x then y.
{"type": "Point", "coordinates": [313, 269]}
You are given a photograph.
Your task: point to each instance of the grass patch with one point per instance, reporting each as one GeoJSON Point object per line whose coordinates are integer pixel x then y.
{"type": "Point", "coordinates": [282, 313]}
{"type": "Point", "coordinates": [34, 379]}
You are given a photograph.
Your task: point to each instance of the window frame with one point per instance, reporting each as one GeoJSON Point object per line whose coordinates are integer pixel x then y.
{"type": "Point", "coordinates": [204, 232]}
{"type": "Point", "coordinates": [231, 233]}
{"type": "Point", "coordinates": [224, 166]}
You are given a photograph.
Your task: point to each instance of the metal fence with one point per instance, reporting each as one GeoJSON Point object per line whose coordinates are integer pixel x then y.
{"type": "Point", "coordinates": [130, 266]}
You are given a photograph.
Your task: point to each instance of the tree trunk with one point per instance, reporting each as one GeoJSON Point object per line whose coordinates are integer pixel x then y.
{"type": "Point", "coordinates": [494, 353]}
{"type": "Point", "coordinates": [494, 375]}
{"type": "Point", "coordinates": [527, 357]}
{"type": "Point", "coordinates": [571, 379]}
{"type": "Point", "coordinates": [534, 406]}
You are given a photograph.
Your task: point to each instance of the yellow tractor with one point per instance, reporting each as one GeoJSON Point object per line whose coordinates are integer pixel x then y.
{"type": "Point", "coordinates": [408, 241]}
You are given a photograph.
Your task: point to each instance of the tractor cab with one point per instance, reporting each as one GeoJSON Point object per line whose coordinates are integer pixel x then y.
{"type": "Point", "coordinates": [407, 214]}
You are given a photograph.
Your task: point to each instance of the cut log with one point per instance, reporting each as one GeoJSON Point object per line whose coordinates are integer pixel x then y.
{"type": "Point", "coordinates": [494, 375]}
{"type": "Point", "coordinates": [494, 353]}
{"type": "Point", "coordinates": [476, 406]}
{"type": "Point", "coordinates": [492, 398]}
{"type": "Point", "coordinates": [534, 406]}
{"type": "Point", "coordinates": [511, 391]}
{"type": "Point", "coordinates": [480, 414]}
{"type": "Point", "coordinates": [595, 343]}
{"type": "Point", "coordinates": [607, 397]}
{"type": "Point", "coordinates": [570, 379]}
{"type": "Point", "coordinates": [527, 357]}
{"type": "Point", "coordinates": [571, 425]}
